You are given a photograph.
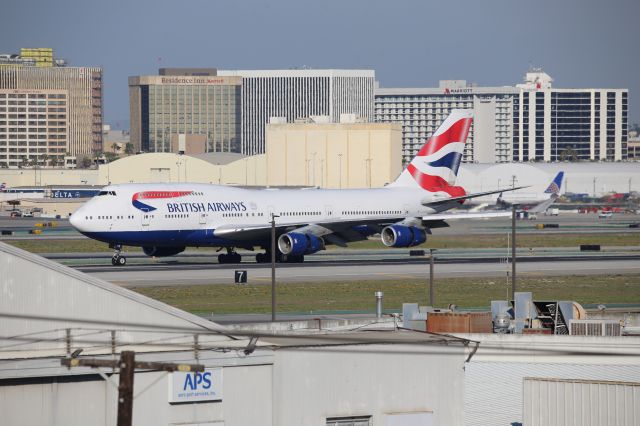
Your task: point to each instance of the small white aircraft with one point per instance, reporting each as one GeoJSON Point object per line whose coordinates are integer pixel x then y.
{"type": "Point", "coordinates": [165, 218]}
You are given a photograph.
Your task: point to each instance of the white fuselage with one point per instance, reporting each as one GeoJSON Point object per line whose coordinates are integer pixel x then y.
{"type": "Point", "coordinates": [114, 217]}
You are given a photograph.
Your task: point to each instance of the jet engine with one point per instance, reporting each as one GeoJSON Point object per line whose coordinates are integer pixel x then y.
{"type": "Point", "coordinates": [403, 236]}
{"type": "Point", "coordinates": [295, 243]}
{"type": "Point", "coordinates": [162, 251]}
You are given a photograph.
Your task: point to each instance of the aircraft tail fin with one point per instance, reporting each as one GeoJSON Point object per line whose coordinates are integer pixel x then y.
{"type": "Point", "coordinates": [435, 167]}
{"type": "Point", "coordinates": [554, 186]}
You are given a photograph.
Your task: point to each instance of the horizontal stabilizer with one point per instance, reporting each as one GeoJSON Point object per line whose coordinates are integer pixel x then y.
{"type": "Point", "coordinates": [543, 206]}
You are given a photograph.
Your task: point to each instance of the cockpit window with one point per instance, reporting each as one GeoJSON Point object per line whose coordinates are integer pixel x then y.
{"type": "Point", "coordinates": [106, 193]}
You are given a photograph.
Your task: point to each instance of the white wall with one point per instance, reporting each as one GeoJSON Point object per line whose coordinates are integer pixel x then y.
{"type": "Point", "coordinates": [317, 383]}
{"type": "Point", "coordinates": [246, 401]}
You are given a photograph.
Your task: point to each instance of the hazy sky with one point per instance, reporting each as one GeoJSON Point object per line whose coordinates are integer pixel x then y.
{"type": "Point", "coordinates": [580, 43]}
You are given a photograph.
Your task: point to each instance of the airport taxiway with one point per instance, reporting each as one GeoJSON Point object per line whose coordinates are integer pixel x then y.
{"type": "Point", "coordinates": [179, 273]}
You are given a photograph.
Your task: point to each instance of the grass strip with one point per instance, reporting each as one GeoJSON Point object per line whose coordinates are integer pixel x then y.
{"type": "Point", "coordinates": [335, 296]}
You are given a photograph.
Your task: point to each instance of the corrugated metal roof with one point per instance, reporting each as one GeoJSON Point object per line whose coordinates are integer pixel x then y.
{"type": "Point", "coordinates": [33, 286]}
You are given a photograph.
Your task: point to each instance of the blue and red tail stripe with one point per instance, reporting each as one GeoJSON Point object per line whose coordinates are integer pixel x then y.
{"type": "Point", "coordinates": [456, 133]}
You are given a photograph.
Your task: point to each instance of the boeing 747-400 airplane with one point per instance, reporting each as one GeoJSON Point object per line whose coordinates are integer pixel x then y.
{"type": "Point", "coordinates": [165, 218]}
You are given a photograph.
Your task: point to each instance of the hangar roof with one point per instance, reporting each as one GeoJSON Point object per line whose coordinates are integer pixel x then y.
{"type": "Point", "coordinates": [42, 299]}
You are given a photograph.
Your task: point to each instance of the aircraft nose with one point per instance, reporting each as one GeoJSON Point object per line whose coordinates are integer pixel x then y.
{"type": "Point", "coordinates": [77, 220]}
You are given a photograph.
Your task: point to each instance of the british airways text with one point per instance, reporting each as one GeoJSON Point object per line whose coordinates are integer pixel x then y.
{"type": "Point", "coordinates": [208, 207]}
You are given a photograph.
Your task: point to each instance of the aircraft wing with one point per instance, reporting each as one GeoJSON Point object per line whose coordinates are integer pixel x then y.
{"type": "Point", "coordinates": [338, 233]}
{"type": "Point", "coordinates": [470, 215]}
{"type": "Point", "coordinates": [433, 203]}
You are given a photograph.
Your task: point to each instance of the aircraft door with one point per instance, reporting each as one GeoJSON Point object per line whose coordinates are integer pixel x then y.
{"type": "Point", "coordinates": [203, 218]}
{"type": "Point", "coordinates": [146, 219]}
{"type": "Point", "coordinates": [328, 211]}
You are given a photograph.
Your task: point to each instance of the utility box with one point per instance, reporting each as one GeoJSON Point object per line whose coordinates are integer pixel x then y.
{"type": "Point", "coordinates": [459, 322]}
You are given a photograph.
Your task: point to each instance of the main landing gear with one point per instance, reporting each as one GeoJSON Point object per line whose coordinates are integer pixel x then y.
{"type": "Point", "coordinates": [280, 258]}
{"type": "Point", "coordinates": [118, 259]}
{"type": "Point", "coordinates": [230, 257]}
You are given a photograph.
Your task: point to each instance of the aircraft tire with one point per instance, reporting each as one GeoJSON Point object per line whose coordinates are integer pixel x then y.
{"type": "Point", "coordinates": [295, 258]}
{"type": "Point", "coordinates": [122, 260]}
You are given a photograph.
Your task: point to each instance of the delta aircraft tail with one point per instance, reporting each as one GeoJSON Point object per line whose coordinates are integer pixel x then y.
{"type": "Point", "coordinates": [435, 167]}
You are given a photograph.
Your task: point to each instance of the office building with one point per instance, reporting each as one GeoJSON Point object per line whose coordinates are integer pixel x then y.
{"type": "Point", "coordinates": [186, 102]}
{"type": "Point", "coordinates": [44, 97]}
{"type": "Point", "coordinates": [526, 122]}
{"type": "Point", "coordinates": [33, 127]}
{"type": "Point", "coordinates": [298, 93]}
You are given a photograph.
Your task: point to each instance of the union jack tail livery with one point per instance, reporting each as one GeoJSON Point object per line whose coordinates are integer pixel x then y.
{"type": "Point", "coordinates": [435, 167]}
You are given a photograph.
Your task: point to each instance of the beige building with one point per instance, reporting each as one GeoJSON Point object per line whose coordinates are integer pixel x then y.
{"type": "Point", "coordinates": [353, 155]}
{"type": "Point", "coordinates": [82, 107]}
{"type": "Point", "coordinates": [346, 155]}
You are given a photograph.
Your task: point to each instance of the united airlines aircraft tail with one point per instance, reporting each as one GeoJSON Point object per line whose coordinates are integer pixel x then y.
{"type": "Point", "coordinates": [435, 167]}
{"type": "Point", "coordinates": [554, 186]}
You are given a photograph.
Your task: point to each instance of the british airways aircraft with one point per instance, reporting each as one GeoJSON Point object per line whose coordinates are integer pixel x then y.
{"type": "Point", "coordinates": [165, 218]}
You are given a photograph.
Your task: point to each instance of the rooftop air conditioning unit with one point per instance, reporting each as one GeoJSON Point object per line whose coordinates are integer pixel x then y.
{"type": "Point", "coordinates": [594, 328]}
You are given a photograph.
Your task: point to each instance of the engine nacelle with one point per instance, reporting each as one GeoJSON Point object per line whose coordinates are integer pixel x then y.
{"type": "Point", "coordinates": [162, 251]}
{"type": "Point", "coordinates": [403, 236]}
{"type": "Point", "coordinates": [296, 243]}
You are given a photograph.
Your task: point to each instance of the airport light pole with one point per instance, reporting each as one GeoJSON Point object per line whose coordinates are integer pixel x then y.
{"type": "Point", "coordinates": [273, 266]}
{"type": "Point", "coordinates": [313, 168]}
{"type": "Point", "coordinates": [340, 168]}
{"type": "Point", "coordinates": [432, 296]}
{"type": "Point", "coordinates": [513, 250]}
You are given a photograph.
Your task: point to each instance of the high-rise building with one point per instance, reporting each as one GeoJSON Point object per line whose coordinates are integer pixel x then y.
{"type": "Point", "coordinates": [527, 122]}
{"type": "Point", "coordinates": [297, 94]}
{"type": "Point", "coordinates": [422, 110]}
{"type": "Point", "coordinates": [190, 102]}
{"type": "Point", "coordinates": [552, 124]}
{"type": "Point", "coordinates": [48, 109]}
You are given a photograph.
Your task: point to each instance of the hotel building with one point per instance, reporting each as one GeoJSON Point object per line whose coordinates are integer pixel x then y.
{"type": "Point", "coordinates": [195, 103]}
{"type": "Point", "coordinates": [527, 122]}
